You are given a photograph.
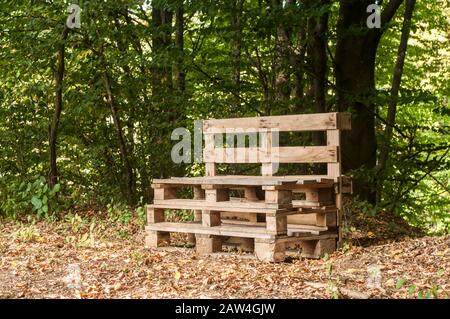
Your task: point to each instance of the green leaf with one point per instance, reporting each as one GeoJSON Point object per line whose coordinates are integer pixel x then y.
{"type": "Point", "coordinates": [45, 209]}
{"type": "Point", "coordinates": [37, 203]}
{"type": "Point", "coordinates": [411, 289]}
{"type": "Point", "coordinates": [400, 283]}
{"type": "Point", "coordinates": [44, 199]}
{"type": "Point", "coordinates": [57, 188]}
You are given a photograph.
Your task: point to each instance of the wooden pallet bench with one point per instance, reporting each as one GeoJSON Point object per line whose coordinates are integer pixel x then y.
{"type": "Point", "coordinates": [268, 217]}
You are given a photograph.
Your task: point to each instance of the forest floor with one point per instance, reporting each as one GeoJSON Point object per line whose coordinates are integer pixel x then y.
{"type": "Point", "coordinates": [87, 257]}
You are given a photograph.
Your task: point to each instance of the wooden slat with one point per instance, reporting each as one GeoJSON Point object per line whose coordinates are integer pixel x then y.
{"type": "Point", "coordinates": [228, 180]}
{"type": "Point", "coordinates": [223, 230]}
{"type": "Point", "coordinates": [292, 154]}
{"type": "Point", "coordinates": [231, 206]}
{"type": "Point", "coordinates": [333, 139]}
{"type": "Point", "coordinates": [210, 168]}
{"type": "Point", "coordinates": [247, 231]}
{"type": "Point", "coordinates": [298, 122]}
{"type": "Point", "coordinates": [317, 209]}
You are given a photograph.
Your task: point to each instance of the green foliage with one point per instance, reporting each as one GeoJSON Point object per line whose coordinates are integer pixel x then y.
{"type": "Point", "coordinates": [149, 104]}
{"type": "Point", "coordinates": [34, 196]}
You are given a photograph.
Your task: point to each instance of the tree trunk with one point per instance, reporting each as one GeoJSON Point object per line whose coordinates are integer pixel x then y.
{"type": "Point", "coordinates": [317, 57]}
{"type": "Point", "coordinates": [179, 44]}
{"type": "Point", "coordinates": [236, 49]}
{"type": "Point", "coordinates": [392, 108]}
{"type": "Point", "coordinates": [354, 67]}
{"type": "Point", "coordinates": [161, 41]}
{"type": "Point", "coordinates": [128, 169]}
{"type": "Point", "coordinates": [298, 57]}
{"type": "Point", "coordinates": [132, 94]}
{"type": "Point", "coordinates": [282, 61]}
{"type": "Point", "coordinates": [53, 130]}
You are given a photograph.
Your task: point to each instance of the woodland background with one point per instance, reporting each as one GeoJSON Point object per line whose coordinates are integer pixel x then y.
{"type": "Point", "coordinates": [86, 114]}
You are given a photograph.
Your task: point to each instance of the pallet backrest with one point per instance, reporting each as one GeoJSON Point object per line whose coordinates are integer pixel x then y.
{"type": "Point", "coordinates": [267, 128]}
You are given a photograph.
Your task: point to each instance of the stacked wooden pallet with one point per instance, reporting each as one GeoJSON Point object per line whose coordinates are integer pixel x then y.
{"type": "Point", "coordinates": [267, 219]}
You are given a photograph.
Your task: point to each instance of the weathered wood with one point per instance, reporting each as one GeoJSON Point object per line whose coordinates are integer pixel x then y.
{"type": "Point", "coordinates": [207, 244]}
{"type": "Point", "coordinates": [165, 193]}
{"type": "Point", "coordinates": [270, 250]}
{"type": "Point", "coordinates": [155, 215]}
{"type": "Point", "coordinates": [276, 225]}
{"type": "Point", "coordinates": [243, 180]}
{"type": "Point", "coordinates": [293, 123]}
{"type": "Point", "coordinates": [154, 239]}
{"type": "Point", "coordinates": [246, 231]}
{"type": "Point", "coordinates": [229, 206]}
{"type": "Point", "coordinates": [323, 196]}
{"type": "Point", "coordinates": [311, 222]}
{"type": "Point", "coordinates": [210, 218]}
{"type": "Point", "coordinates": [317, 248]}
{"type": "Point", "coordinates": [291, 154]}
{"type": "Point", "coordinates": [217, 195]}
{"type": "Point", "coordinates": [319, 219]}
{"type": "Point", "coordinates": [333, 139]}
{"type": "Point", "coordinates": [250, 194]}
{"type": "Point", "coordinates": [251, 217]}
{"type": "Point", "coordinates": [210, 168]}
{"type": "Point", "coordinates": [278, 197]}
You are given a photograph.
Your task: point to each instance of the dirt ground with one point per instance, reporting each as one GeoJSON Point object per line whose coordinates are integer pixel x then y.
{"type": "Point", "coordinates": [86, 257]}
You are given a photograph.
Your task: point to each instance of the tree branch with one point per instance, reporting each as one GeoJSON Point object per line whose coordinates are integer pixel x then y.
{"type": "Point", "coordinates": [390, 10]}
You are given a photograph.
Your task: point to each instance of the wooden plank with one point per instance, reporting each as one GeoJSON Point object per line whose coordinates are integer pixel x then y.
{"type": "Point", "coordinates": [321, 195]}
{"type": "Point", "coordinates": [317, 209]}
{"type": "Point", "coordinates": [165, 193]}
{"type": "Point", "coordinates": [155, 239]}
{"type": "Point", "coordinates": [250, 217]}
{"type": "Point", "coordinates": [217, 195]}
{"type": "Point", "coordinates": [250, 194]}
{"type": "Point", "coordinates": [270, 251]}
{"type": "Point", "coordinates": [207, 244]}
{"type": "Point", "coordinates": [291, 154]}
{"type": "Point", "coordinates": [294, 123]}
{"type": "Point", "coordinates": [276, 225]}
{"type": "Point", "coordinates": [222, 230]}
{"type": "Point", "coordinates": [306, 204]}
{"type": "Point", "coordinates": [210, 168]}
{"type": "Point", "coordinates": [333, 139]}
{"type": "Point", "coordinates": [155, 215]}
{"type": "Point", "coordinates": [210, 219]}
{"type": "Point", "coordinates": [244, 180]}
{"type": "Point", "coordinates": [230, 206]}
{"type": "Point", "coordinates": [266, 143]}
{"type": "Point", "coordinates": [278, 197]}
{"type": "Point", "coordinates": [293, 230]}
{"type": "Point", "coordinates": [232, 230]}
{"type": "Point", "coordinates": [314, 219]}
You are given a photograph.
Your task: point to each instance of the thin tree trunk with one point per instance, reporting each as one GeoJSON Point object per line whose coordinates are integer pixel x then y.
{"type": "Point", "coordinates": [298, 57]}
{"type": "Point", "coordinates": [132, 94]}
{"type": "Point", "coordinates": [53, 130]}
{"type": "Point", "coordinates": [282, 61]}
{"type": "Point", "coordinates": [179, 44]}
{"type": "Point", "coordinates": [128, 170]}
{"type": "Point", "coordinates": [317, 56]}
{"type": "Point", "coordinates": [392, 108]}
{"type": "Point", "coordinates": [236, 51]}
